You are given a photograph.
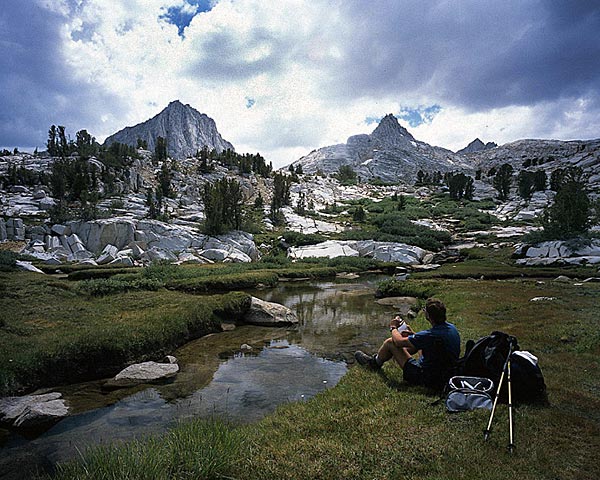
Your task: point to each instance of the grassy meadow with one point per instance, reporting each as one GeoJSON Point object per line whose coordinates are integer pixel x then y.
{"type": "Point", "coordinates": [372, 425]}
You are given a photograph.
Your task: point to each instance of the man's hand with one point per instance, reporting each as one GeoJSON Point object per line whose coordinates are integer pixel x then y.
{"type": "Point", "coordinates": [396, 321]}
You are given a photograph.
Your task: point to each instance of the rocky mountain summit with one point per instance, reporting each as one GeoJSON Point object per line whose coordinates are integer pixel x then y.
{"type": "Point", "coordinates": [390, 153]}
{"type": "Point", "coordinates": [477, 146]}
{"type": "Point", "coordinates": [185, 129]}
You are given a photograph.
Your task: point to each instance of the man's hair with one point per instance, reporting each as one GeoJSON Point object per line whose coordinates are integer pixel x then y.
{"type": "Point", "coordinates": [436, 310]}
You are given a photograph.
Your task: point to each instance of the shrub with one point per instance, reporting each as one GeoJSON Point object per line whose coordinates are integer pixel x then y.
{"type": "Point", "coordinates": [223, 283]}
{"type": "Point", "coordinates": [99, 272]}
{"type": "Point", "coordinates": [402, 288]}
{"type": "Point", "coordinates": [8, 260]}
{"type": "Point", "coordinates": [106, 286]}
{"type": "Point", "coordinates": [298, 239]}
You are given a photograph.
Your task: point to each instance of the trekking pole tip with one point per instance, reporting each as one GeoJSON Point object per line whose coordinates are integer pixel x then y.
{"type": "Point", "coordinates": [486, 435]}
{"type": "Point", "coordinates": [511, 448]}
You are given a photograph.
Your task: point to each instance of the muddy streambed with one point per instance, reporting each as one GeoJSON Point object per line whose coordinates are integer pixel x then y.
{"type": "Point", "coordinates": [219, 378]}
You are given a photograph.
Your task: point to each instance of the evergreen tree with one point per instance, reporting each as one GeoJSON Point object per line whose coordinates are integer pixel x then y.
{"type": "Point", "coordinates": [160, 150]}
{"type": "Point", "coordinates": [525, 184]}
{"type": "Point", "coordinates": [502, 180]}
{"type": "Point", "coordinates": [359, 214]}
{"type": "Point", "coordinates": [569, 215]}
{"type": "Point", "coordinates": [52, 143]}
{"type": "Point", "coordinates": [346, 175]}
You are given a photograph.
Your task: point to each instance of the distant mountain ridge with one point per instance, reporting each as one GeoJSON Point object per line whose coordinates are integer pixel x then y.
{"type": "Point", "coordinates": [477, 146]}
{"type": "Point", "coordinates": [390, 153]}
{"type": "Point", "coordinates": [185, 129]}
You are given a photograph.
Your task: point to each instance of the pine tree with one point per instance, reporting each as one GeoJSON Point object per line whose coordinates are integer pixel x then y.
{"type": "Point", "coordinates": [502, 180]}
{"type": "Point", "coordinates": [569, 215]}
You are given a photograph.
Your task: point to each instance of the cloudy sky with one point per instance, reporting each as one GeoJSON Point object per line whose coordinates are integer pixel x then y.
{"type": "Point", "coordinates": [284, 77]}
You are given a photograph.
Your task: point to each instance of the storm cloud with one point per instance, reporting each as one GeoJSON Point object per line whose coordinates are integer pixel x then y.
{"type": "Point", "coordinates": [316, 72]}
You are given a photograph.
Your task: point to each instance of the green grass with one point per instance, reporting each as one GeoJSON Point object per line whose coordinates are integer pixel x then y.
{"type": "Point", "coordinates": [64, 336]}
{"type": "Point", "coordinates": [373, 425]}
{"type": "Point", "coordinates": [495, 264]}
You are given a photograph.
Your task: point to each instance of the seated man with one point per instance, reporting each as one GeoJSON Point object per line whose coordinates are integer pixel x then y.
{"type": "Point", "coordinates": [439, 347]}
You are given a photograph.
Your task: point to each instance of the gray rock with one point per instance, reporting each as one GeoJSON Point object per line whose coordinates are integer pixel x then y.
{"type": "Point", "coordinates": [269, 314]}
{"type": "Point", "coordinates": [147, 372]}
{"type": "Point", "coordinates": [156, 254]}
{"type": "Point", "coordinates": [109, 253]}
{"type": "Point", "coordinates": [122, 261]}
{"type": "Point", "coordinates": [185, 129]}
{"type": "Point", "coordinates": [61, 229]}
{"type": "Point", "coordinates": [46, 203]}
{"type": "Point", "coordinates": [562, 279]}
{"type": "Point", "coordinates": [327, 249]}
{"type": "Point", "coordinates": [27, 266]}
{"type": "Point", "coordinates": [33, 411]}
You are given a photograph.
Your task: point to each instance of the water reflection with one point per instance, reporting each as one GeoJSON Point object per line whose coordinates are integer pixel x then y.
{"type": "Point", "coordinates": [217, 379]}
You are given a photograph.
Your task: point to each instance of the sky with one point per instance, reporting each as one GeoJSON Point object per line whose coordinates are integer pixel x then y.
{"type": "Point", "coordinates": [285, 77]}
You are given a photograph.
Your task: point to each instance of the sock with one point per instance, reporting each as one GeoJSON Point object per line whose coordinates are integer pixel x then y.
{"type": "Point", "coordinates": [378, 361]}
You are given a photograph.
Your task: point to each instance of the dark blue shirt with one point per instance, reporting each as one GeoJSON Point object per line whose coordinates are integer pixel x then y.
{"type": "Point", "coordinates": [438, 345]}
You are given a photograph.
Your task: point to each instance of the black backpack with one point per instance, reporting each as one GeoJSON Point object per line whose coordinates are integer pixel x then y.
{"type": "Point", "coordinates": [486, 358]}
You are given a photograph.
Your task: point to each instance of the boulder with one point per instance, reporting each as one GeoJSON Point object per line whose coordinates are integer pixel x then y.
{"type": "Point", "coordinates": [33, 411]}
{"type": "Point", "coordinates": [146, 372]}
{"type": "Point", "coordinates": [403, 305]}
{"type": "Point", "coordinates": [61, 229]}
{"type": "Point", "coordinates": [109, 253]}
{"type": "Point", "coordinates": [328, 249]}
{"type": "Point", "coordinates": [269, 314]}
{"type": "Point", "coordinates": [27, 266]}
{"type": "Point", "coordinates": [122, 261]}
{"type": "Point", "coordinates": [157, 254]}
{"type": "Point", "coordinates": [96, 234]}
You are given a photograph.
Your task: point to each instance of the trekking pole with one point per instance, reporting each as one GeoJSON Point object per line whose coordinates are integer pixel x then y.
{"type": "Point", "coordinates": [486, 434]}
{"type": "Point", "coordinates": [511, 444]}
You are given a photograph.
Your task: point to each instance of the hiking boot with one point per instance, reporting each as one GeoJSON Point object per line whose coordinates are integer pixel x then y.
{"type": "Point", "coordinates": [367, 360]}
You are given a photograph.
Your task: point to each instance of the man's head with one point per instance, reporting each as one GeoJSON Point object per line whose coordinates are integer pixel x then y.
{"type": "Point", "coordinates": [435, 310]}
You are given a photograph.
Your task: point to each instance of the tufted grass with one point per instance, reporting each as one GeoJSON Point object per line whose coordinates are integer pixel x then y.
{"type": "Point", "coordinates": [372, 425]}
{"type": "Point", "coordinates": [64, 336]}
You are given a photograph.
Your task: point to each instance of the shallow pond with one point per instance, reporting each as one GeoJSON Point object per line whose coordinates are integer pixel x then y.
{"type": "Point", "coordinates": [218, 379]}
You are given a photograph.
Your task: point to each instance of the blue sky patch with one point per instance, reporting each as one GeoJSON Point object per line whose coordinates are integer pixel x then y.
{"type": "Point", "coordinates": [420, 115]}
{"type": "Point", "coordinates": [182, 16]}
{"type": "Point", "coordinates": [250, 102]}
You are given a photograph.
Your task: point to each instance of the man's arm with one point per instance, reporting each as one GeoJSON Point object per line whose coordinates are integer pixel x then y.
{"type": "Point", "coordinates": [400, 339]}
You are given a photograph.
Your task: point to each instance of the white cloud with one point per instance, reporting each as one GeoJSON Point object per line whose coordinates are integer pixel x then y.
{"type": "Point", "coordinates": [317, 70]}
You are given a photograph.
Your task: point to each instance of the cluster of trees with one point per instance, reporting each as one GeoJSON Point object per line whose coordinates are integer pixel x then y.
{"type": "Point", "coordinates": [346, 175]}
{"type": "Point", "coordinates": [245, 163]}
{"type": "Point", "coordinates": [20, 175]}
{"type": "Point", "coordinates": [424, 178]}
{"type": "Point", "coordinates": [223, 206]}
{"type": "Point", "coordinates": [460, 186]}
{"type": "Point", "coordinates": [569, 215]}
{"type": "Point", "coordinates": [281, 196]}
{"type": "Point", "coordinates": [530, 182]}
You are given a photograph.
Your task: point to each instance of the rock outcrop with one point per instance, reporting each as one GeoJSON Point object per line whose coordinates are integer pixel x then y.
{"type": "Point", "coordinates": [383, 251]}
{"type": "Point", "coordinates": [33, 411]}
{"type": "Point", "coordinates": [390, 153]}
{"type": "Point", "coordinates": [559, 253]}
{"type": "Point", "coordinates": [185, 129]}
{"type": "Point", "coordinates": [125, 241]}
{"type": "Point", "coordinates": [146, 372]}
{"type": "Point", "coordinates": [476, 146]}
{"type": "Point", "coordinates": [269, 314]}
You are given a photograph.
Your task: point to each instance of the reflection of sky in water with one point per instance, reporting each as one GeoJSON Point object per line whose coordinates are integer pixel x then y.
{"type": "Point", "coordinates": [335, 319]}
{"type": "Point", "coordinates": [244, 388]}
{"type": "Point", "coordinates": [248, 387]}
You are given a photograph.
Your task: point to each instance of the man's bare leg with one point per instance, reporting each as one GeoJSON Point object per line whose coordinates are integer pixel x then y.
{"type": "Point", "coordinates": [388, 350]}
